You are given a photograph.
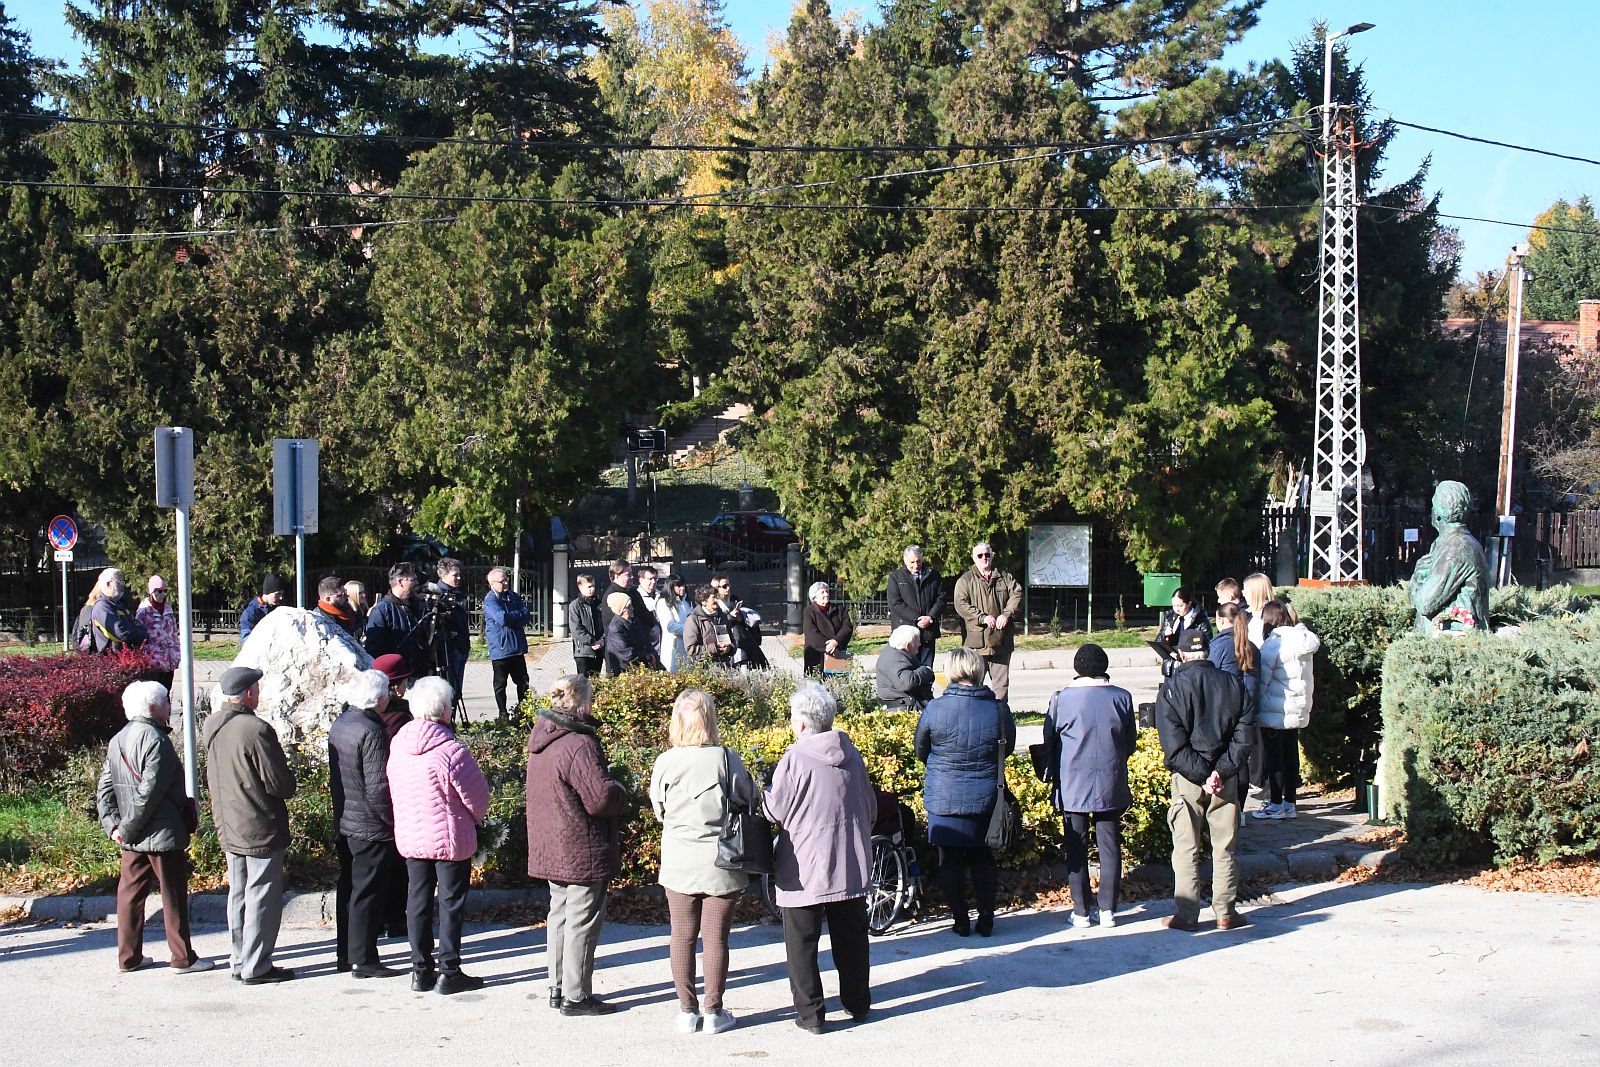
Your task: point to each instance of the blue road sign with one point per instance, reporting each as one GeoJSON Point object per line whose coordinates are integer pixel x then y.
{"type": "Point", "coordinates": [63, 532]}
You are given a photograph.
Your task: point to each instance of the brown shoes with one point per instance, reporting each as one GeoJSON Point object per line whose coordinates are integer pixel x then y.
{"type": "Point", "coordinates": [1231, 922]}
{"type": "Point", "coordinates": [1172, 922]}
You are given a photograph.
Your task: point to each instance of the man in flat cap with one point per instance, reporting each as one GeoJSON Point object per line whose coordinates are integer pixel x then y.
{"type": "Point", "coordinates": [249, 780]}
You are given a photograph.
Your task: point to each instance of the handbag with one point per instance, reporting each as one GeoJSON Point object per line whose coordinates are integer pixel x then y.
{"type": "Point", "coordinates": [1005, 823]}
{"type": "Point", "coordinates": [745, 843]}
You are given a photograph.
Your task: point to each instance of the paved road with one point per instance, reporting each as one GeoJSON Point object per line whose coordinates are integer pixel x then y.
{"type": "Point", "coordinates": [1375, 975]}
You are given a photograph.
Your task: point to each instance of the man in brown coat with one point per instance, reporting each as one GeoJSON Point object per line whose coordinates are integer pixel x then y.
{"type": "Point", "coordinates": [988, 599]}
{"type": "Point", "coordinates": [574, 839]}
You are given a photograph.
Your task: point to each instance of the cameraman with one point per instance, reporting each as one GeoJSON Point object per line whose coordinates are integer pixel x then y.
{"type": "Point", "coordinates": [454, 635]}
{"type": "Point", "coordinates": [392, 625]}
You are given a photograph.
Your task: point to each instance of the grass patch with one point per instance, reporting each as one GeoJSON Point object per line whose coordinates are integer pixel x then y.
{"type": "Point", "coordinates": [49, 846]}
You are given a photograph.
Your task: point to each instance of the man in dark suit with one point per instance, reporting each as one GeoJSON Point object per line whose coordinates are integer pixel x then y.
{"type": "Point", "coordinates": [916, 598]}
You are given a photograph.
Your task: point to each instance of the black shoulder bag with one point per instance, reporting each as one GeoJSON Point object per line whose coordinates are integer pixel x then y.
{"type": "Point", "coordinates": [1005, 824]}
{"type": "Point", "coordinates": [745, 843]}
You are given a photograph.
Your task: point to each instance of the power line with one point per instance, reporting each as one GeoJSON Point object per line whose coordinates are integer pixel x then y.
{"type": "Point", "coordinates": [1496, 144]}
{"type": "Point", "coordinates": [1478, 218]}
{"type": "Point", "coordinates": [316, 227]}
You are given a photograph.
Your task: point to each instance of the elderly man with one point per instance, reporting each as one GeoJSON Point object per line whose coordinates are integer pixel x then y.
{"type": "Point", "coordinates": [249, 780]}
{"type": "Point", "coordinates": [440, 799]}
{"type": "Point", "coordinates": [904, 683]}
{"type": "Point", "coordinates": [505, 626]}
{"type": "Point", "coordinates": [916, 598]}
{"type": "Point", "coordinates": [823, 800]}
{"type": "Point", "coordinates": [1206, 727]}
{"type": "Point", "coordinates": [144, 810]}
{"type": "Point", "coordinates": [988, 599]}
{"type": "Point", "coordinates": [160, 624]}
{"type": "Point", "coordinates": [393, 624]}
{"type": "Point", "coordinates": [272, 592]}
{"type": "Point", "coordinates": [113, 621]}
{"type": "Point", "coordinates": [358, 777]}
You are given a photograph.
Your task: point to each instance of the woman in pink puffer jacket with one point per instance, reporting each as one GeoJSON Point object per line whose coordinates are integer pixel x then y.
{"type": "Point", "coordinates": [440, 798]}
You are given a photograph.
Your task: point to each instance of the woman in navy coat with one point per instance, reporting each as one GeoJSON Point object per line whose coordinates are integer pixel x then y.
{"type": "Point", "coordinates": [962, 736]}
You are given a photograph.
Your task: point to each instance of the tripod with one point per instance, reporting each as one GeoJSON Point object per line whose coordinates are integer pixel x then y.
{"type": "Point", "coordinates": [438, 645]}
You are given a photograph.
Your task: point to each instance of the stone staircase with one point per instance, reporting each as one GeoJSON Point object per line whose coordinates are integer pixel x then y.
{"type": "Point", "coordinates": [706, 432]}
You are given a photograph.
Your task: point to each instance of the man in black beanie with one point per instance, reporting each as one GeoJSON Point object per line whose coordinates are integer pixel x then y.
{"type": "Point", "coordinates": [271, 596]}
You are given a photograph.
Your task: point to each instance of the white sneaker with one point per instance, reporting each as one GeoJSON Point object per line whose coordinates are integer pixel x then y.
{"type": "Point", "coordinates": [1268, 810]}
{"type": "Point", "coordinates": [1286, 811]}
{"type": "Point", "coordinates": [715, 1024]}
{"type": "Point", "coordinates": [688, 1022]}
{"type": "Point", "coordinates": [1106, 920]}
{"type": "Point", "coordinates": [1080, 922]}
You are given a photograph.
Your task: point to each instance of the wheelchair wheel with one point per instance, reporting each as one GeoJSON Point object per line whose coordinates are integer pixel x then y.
{"type": "Point", "coordinates": [768, 889]}
{"type": "Point", "coordinates": [886, 896]}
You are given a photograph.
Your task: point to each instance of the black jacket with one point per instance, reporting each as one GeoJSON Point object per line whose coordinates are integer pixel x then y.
{"type": "Point", "coordinates": [627, 646]}
{"type": "Point", "coordinates": [583, 620]}
{"type": "Point", "coordinates": [641, 613]}
{"type": "Point", "coordinates": [358, 776]}
{"type": "Point", "coordinates": [910, 599]}
{"type": "Point", "coordinates": [392, 627]}
{"type": "Point", "coordinates": [821, 625]}
{"type": "Point", "coordinates": [1205, 722]}
{"type": "Point", "coordinates": [901, 683]}
{"type": "Point", "coordinates": [455, 624]}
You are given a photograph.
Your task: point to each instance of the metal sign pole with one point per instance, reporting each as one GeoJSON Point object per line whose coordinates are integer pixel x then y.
{"type": "Point", "coordinates": [66, 612]}
{"type": "Point", "coordinates": [299, 527]}
{"type": "Point", "coordinates": [191, 770]}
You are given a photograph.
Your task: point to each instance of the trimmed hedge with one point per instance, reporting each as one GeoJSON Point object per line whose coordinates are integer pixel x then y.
{"type": "Point", "coordinates": [52, 706]}
{"type": "Point", "coordinates": [1489, 742]}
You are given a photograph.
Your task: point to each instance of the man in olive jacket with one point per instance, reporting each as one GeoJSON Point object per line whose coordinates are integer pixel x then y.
{"type": "Point", "coordinates": [142, 807]}
{"type": "Point", "coordinates": [249, 779]}
{"type": "Point", "coordinates": [988, 599]}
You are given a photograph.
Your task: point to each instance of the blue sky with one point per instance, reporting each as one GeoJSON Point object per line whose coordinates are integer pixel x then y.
{"type": "Point", "coordinates": [1524, 73]}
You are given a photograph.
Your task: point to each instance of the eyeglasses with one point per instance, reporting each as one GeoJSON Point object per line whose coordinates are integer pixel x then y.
{"type": "Point", "coordinates": [159, 589]}
{"type": "Point", "coordinates": [983, 555]}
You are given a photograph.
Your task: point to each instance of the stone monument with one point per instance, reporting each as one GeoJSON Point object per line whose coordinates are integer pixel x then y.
{"type": "Point", "coordinates": [306, 657]}
{"type": "Point", "coordinates": [1450, 586]}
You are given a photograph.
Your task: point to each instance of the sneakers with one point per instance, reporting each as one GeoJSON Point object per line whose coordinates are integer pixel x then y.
{"type": "Point", "coordinates": [689, 1022]}
{"type": "Point", "coordinates": [1273, 811]}
{"type": "Point", "coordinates": [717, 1022]}
{"type": "Point", "coordinates": [1080, 922]}
{"type": "Point", "coordinates": [198, 965]}
{"type": "Point", "coordinates": [1105, 919]}
{"type": "Point", "coordinates": [144, 961]}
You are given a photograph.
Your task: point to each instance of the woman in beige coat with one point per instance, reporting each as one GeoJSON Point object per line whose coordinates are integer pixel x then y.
{"type": "Point", "coordinates": [691, 787]}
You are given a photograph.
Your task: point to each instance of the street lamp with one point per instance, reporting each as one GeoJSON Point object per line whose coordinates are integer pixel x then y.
{"type": "Point", "coordinates": [1327, 73]}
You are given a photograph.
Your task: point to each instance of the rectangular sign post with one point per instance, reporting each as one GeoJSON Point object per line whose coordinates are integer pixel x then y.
{"type": "Point", "coordinates": [175, 489]}
{"type": "Point", "coordinates": [294, 500]}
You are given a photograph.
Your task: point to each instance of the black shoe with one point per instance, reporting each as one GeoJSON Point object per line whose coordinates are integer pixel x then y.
{"type": "Point", "coordinates": [985, 925]}
{"type": "Point", "coordinates": [374, 970]}
{"type": "Point", "coordinates": [423, 981]}
{"type": "Point", "coordinates": [457, 982]}
{"type": "Point", "coordinates": [590, 1006]}
{"type": "Point", "coordinates": [811, 1028]}
{"type": "Point", "coordinates": [270, 976]}
{"type": "Point", "coordinates": [961, 928]}
{"type": "Point", "coordinates": [343, 966]}
{"type": "Point", "coordinates": [861, 1016]}
{"type": "Point", "coordinates": [555, 999]}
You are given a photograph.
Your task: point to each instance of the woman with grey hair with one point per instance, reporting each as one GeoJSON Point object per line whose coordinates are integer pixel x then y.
{"type": "Point", "coordinates": [358, 778]}
{"type": "Point", "coordinates": [903, 683]}
{"type": "Point", "coordinates": [826, 627]}
{"type": "Point", "coordinates": [144, 810]}
{"type": "Point", "coordinates": [440, 800]}
{"type": "Point", "coordinates": [824, 804]}
{"type": "Point", "coordinates": [963, 737]}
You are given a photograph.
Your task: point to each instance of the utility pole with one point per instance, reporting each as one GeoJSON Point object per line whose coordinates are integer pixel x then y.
{"type": "Point", "coordinates": [1516, 279]}
{"type": "Point", "coordinates": [1339, 446]}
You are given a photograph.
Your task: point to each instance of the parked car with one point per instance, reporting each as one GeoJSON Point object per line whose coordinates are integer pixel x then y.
{"type": "Point", "coordinates": [750, 537]}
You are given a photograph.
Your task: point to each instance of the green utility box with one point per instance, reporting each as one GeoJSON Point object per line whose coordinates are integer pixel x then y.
{"type": "Point", "coordinates": [1158, 589]}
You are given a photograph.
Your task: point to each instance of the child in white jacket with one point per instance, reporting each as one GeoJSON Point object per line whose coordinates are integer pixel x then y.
{"type": "Point", "coordinates": [1287, 651]}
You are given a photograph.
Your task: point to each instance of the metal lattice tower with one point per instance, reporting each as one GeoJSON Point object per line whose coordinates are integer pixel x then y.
{"type": "Point", "coordinates": [1339, 447]}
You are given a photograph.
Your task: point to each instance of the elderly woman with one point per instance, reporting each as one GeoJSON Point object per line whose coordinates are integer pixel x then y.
{"type": "Point", "coordinates": [143, 809]}
{"type": "Point", "coordinates": [627, 643]}
{"type": "Point", "coordinates": [904, 684]}
{"type": "Point", "coordinates": [358, 777]}
{"type": "Point", "coordinates": [707, 637]}
{"type": "Point", "coordinates": [574, 832]}
{"type": "Point", "coordinates": [824, 803]}
{"type": "Point", "coordinates": [962, 737]}
{"type": "Point", "coordinates": [114, 624]}
{"type": "Point", "coordinates": [1089, 736]}
{"type": "Point", "coordinates": [826, 628]}
{"type": "Point", "coordinates": [692, 786]}
{"type": "Point", "coordinates": [440, 800]}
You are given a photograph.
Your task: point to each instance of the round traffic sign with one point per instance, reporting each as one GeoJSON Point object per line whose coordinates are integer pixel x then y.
{"type": "Point", "coordinates": [63, 532]}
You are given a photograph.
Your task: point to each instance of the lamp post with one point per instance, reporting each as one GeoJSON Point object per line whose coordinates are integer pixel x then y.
{"type": "Point", "coordinates": [1327, 73]}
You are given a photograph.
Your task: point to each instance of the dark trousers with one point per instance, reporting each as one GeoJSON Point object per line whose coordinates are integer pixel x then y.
{"type": "Point", "coordinates": [925, 651]}
{"type": "Point", "coordinates": [588, 666]}
{"type": "Point", "coordinates": [514, 668]}
{"type": "Point", "coordinates": [954, 862]}
{"type": "Point", "coordinates": [452, 879]}
{"type": "Point", "coordinates": [142, 873]}
{"type": "Point", "coordinates": [1107, 826]}
{"type": "Point", "coordinates": [847, 937]}
{"type": "Point", "coordinates": [359, 899]}
{"type": "Point", "coordinates": [394, 887]}
{"type": "Point", "coordinates": [1282, 751]}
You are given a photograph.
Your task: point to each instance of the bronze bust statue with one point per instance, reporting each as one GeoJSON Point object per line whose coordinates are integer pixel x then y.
{"type": "Point", "coordinates": [1450, 586]}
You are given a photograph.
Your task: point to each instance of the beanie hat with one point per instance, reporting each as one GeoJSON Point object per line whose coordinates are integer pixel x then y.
{"type": "Point", "coordinates": [271, 584]}
{"type": "Point", "coordinates": [1090, 661]}
{"type": "Point", "coordinates": [619, 602]}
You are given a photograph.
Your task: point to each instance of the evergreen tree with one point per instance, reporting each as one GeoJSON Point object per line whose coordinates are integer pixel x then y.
{"type": "Point", "coordinates": [1564, 262]}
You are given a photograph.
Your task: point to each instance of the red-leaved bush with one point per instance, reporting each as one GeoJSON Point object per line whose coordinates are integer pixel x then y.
{"type": "Point", "coordinates": [51, 706]}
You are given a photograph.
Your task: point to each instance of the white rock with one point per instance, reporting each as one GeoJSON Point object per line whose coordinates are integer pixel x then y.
{"type": "Point", "coordinates": [306, 658]}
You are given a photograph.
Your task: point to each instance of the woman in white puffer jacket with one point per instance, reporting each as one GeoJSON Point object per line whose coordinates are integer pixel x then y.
{"type": "Point", "coordinates": [1287, 649]}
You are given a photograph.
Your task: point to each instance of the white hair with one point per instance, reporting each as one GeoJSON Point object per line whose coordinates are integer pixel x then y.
{"type": "Point", "coordinates": [365, 690]}
{"type": "Point", "coordinates": [912, 550]}
{"type": "Point", "coordinates": [432, 699]}
{"type": "Point", "coordinates": [108, 574]}
{"type": "Point", "coordinates": [816, 587]}
{"type": "Point", "coordinates": [982, 544]}
{"type": "Point", "coordinates": [814, 706]}
{"type": "Point", "coordinates": [905, 637]}
{"type": "Point", "coordinates": [140, 698]}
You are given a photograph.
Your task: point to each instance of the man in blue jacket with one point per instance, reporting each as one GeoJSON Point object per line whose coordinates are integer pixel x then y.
{"type": "Point", "coordinates": [505, 622]}
{"type": "Point", "coordinates": [271, 596]}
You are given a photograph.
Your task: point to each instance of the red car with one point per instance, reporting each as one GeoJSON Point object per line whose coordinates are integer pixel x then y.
{"type": "Point", "coordinates": [752, 537]}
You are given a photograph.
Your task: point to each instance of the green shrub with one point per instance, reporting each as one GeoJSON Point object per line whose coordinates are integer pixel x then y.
{"type": "Point", "coordinates": [1489, 742]}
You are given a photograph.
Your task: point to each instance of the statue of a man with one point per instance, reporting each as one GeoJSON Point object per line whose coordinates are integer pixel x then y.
{"type": "Point", "coordinates": [1450, 586]}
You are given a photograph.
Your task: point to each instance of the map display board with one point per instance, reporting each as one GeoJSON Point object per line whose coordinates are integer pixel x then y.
{"type": "Point", "coordinates": [1058, 555]}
